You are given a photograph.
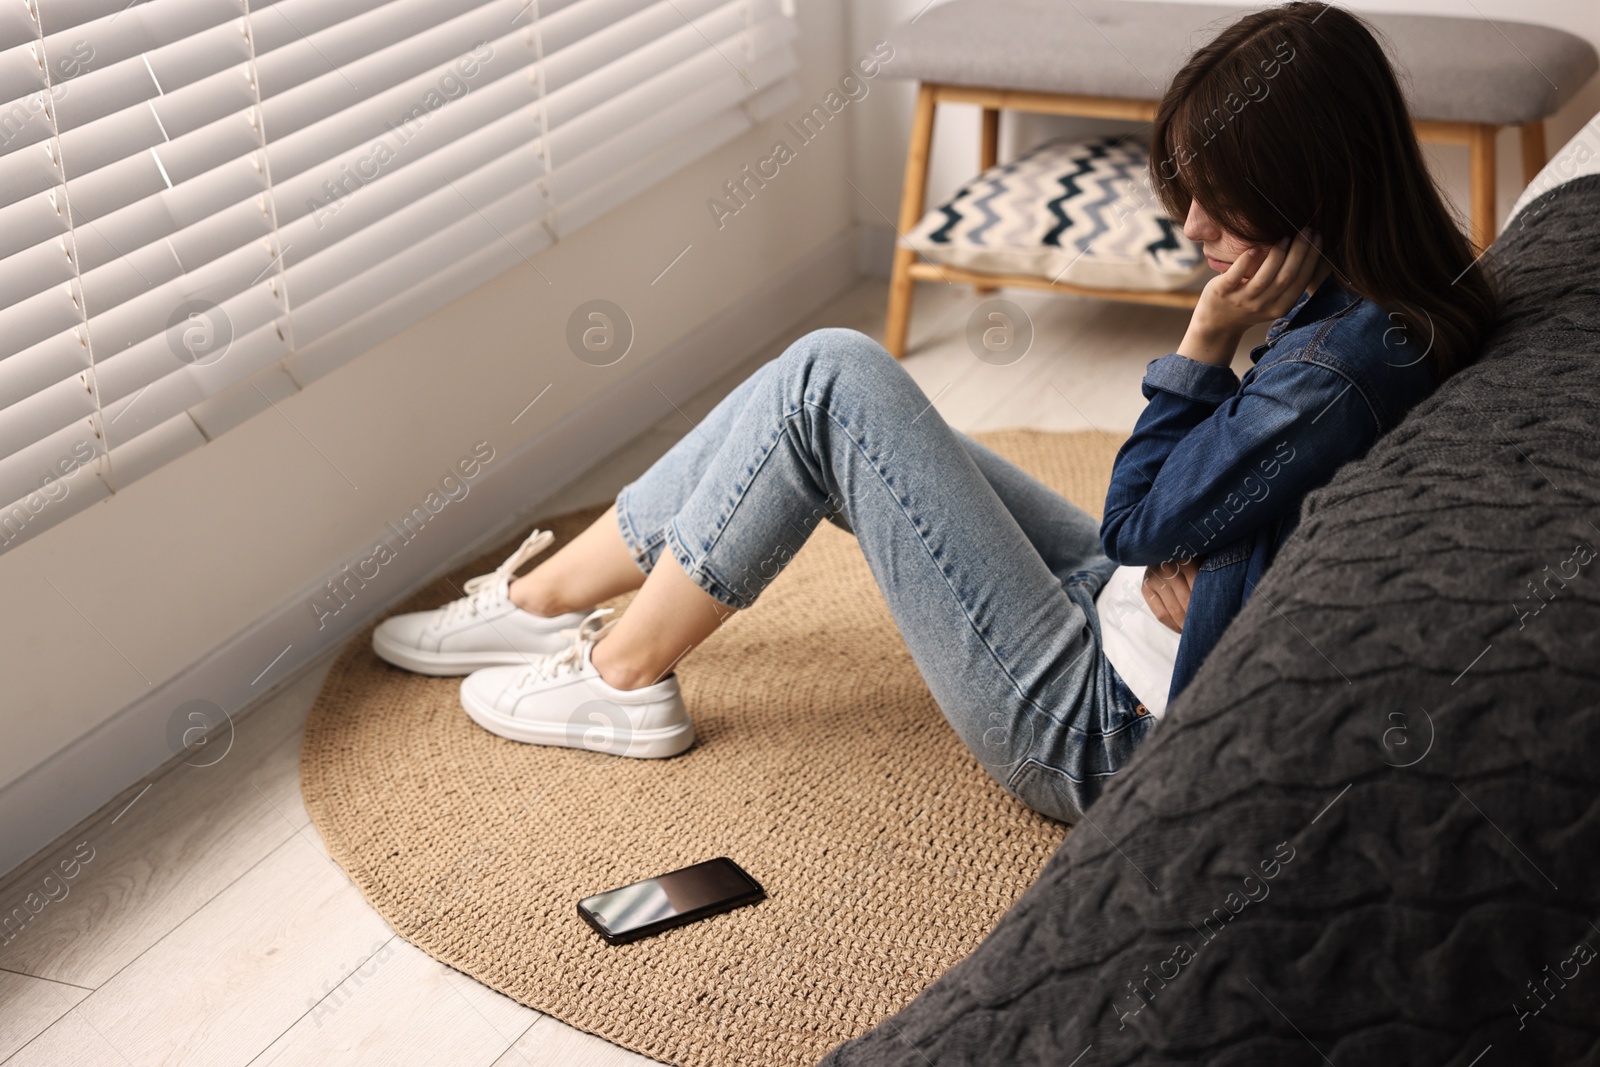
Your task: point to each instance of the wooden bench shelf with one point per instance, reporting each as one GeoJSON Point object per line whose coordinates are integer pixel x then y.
{"type": "Point", "coordinates": [922, 270]}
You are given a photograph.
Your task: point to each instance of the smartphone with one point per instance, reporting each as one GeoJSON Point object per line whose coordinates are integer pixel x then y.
{"type": "Point", "coordinates": [657, 904]}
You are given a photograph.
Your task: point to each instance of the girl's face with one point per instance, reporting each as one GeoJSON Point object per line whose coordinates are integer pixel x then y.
{"type": "Point", "coordinates": [1221, 247]}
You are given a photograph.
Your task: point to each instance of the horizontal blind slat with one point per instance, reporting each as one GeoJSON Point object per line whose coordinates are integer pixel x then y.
{"type": "Point", "coordinates": [22, 73]}
{"type": "Point", "coordinates": [137, 29]}
{"type": "Point", "coordinates": [146, 269]}
{"type": "Point", "coordinates": [160, 399]}
{"type": "Point", "coordinates": [133, 152]}
{"type": "Point", "coordinates": [608, 103]}
{"type": "Point", "coordinates": [44, 266]}
{"type": "Point", "coordinates": [23, 473]}
{"type": "Point", "coordinates": [371, 50]}
{"type": "Point", "coordinates": [218, 154]}
{"type": "Point", "coordinates": [146, 175]}
{"type": "Point", "coordinates": [149, 79]}
{"type": "Point", "coordinates": [142, 340]}
{"type": "Point", "coordinates": [154, 448]}
{"type": "Point", "coordinates": [301, 133]}
{"type": "Point", "coordinates": [721, 91]}
{"type": "Point", "coordinates": [629, 182]}
{"type": "Point", "coordinates": [166, 165]}
{"type": "Point", "coordinates": [166, 215]}
{"type": "Point", "coordinates": [509, 143]}
{"type": "Point", "coordinates": [151, 99]}
{"type": "Point", "coordinates": [386, 199]}
{"type": "Point", "coordinates": [58, 356]}
{"type": "Point", "coordinates": [32, 221]}
{"type": "Point", "coordinates": [474, 230]}
{"type": "Point", "coordinates": [26, 124]}
{"type": "Point", "coordinates": [43, 315]}
{"type": "Point", "coordinates": [45, 412]}
{"type": "Point", "coordinates": [292, 155]}
{"type": "Point", "coordinates": [150, 242]}
{"type": "Point", "coordinates": [58, 16]}
{"type": "Point", "coordinates": [16, 26]}
{"type": "Point", "coordinates": [29, 171]}
{"type": "Point", "coordinates": [379, 303]}
{"type": "Point", "coordinates": [497, 88]}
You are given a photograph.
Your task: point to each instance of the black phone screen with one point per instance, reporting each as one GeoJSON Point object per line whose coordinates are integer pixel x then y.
{"type": "Point", "coordinates": [657, 904]}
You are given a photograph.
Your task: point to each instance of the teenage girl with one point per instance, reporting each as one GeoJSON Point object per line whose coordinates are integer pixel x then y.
{"type": "Point", "coordinates": [1052, 643]}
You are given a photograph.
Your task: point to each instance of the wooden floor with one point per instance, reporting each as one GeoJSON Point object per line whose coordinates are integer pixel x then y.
{"type": "Point", "coordinates": [198, 919]}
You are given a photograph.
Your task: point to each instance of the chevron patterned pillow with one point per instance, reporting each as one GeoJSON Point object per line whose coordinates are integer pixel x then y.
{"type": "Point", "coordinates": [1073, 211]}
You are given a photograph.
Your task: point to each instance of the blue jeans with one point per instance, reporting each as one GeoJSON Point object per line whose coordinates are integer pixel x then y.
{"type": "Point", "coordinates": [990, 575]}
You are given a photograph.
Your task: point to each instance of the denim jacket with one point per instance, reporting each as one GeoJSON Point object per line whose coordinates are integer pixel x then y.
{"type": "Point", "coordinates": [1217, 467]}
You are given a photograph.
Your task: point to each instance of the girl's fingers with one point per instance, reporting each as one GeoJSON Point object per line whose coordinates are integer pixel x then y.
{"type": "Point", "coordinates": [1176, 609]}
{"type": "Point", "coordinates": [1291, 280]}
{"type": "Point", "coordinates": [1310, 256]}
{"type": "Point", "coordinates": [1180, 592]}
{"type": "Point", "coordinates": [1295, 262]}
{"type": "Point", "coordinates": [1239, 271]}
{"type": "Point", "coordinates": [1262, 283]}
{"type": "Point", "coordinates": [1308, 267]}
{"type": "Point", "coordinates": [1159, 594]}
{"type": "Point", "coordinates": [1295, 276]}
{"type": "Point", "coordinates": [1266, 280]}
{"type": "Point", "coordinates": [1151, 588]}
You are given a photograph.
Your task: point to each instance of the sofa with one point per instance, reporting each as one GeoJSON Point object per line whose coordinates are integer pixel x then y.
{"type": "Point", "coordinates": [1369, 831]}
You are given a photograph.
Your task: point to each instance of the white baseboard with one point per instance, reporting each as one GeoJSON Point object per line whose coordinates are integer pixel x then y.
{"type": "Point", "coordinates": [99, 767]}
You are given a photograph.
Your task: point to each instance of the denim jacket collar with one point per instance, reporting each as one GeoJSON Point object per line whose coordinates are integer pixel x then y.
{"type": "Point", "coordinates": [1330, 299]}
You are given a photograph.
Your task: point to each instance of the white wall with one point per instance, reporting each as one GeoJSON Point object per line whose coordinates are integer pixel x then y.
{"type": "Point", "coordinates": [136, 590]}
{"type": "Point", "coordinates": [885, 123]}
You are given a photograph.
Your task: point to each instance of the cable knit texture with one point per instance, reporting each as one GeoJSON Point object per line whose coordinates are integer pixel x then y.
{"type": "Point", "coordinates": [1369, 831]}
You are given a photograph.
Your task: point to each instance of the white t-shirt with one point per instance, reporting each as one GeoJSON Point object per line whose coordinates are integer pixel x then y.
{"type": "Point", "coordinates": [1138, 645]}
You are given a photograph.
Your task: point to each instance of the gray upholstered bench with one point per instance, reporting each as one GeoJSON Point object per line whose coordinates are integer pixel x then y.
{"type": "Point", "coordinates": [1113, 59]}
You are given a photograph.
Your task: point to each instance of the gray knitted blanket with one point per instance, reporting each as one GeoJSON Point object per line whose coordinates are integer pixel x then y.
{"type": "Point", "coordinates": [1369, 831]}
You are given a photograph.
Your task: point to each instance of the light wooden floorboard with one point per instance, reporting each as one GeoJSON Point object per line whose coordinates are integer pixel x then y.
{"type": "Point", "coordinates": [401, 1006]}
{"type": "Point", "coordinates": [1082, 371]}
{"type": "Point", "coordinates": [244, 969]}
{"type": "Point", "coordinates": [210, 923]}
{"type": "Point", "coordinates": [157, 861]}
{"type": "Point", "coordinates": [552, 1043]}
{"type": "Point", "coordinates": [72, 1042]}
{"type": "Point", "coordinates": [29, 1006]}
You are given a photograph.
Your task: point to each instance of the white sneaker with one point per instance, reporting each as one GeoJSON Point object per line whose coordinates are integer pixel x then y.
{"type": "Point", "coordinates": [482, 629]}
{"type": "Point", "coordinates": [562, 700]}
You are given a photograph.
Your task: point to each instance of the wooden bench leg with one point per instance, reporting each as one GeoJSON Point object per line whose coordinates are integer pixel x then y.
{"type": "Point", "coordinates": [988, 156]}
{"type": "Point", "coordinates": [989, 146]}
{"type": "Point", "coordinates": [1533, 157]}
{"type": "Point", "coordinates": [1483, 193]}
{"type": "Point", "coordinates": [911, 203]}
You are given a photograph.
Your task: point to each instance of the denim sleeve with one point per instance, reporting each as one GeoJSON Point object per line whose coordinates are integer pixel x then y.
{"type": "Point", "coordinates": [1209, 463]}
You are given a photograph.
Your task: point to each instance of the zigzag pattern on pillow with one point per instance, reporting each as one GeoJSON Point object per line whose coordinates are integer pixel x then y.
{"type": "Point", "coordinates": [1080, 212]}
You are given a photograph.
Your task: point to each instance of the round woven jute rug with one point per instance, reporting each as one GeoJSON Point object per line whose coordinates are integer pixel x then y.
{"type": "Point", "coordinates": [822, 766]}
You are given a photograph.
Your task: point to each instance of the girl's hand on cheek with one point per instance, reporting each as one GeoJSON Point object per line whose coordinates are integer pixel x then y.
{"type": "Point", "coordinates": [1261, 285]}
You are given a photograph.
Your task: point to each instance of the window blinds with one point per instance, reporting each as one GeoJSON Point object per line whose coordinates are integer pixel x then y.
{"type": "Point", "coordinates": [204, 204]}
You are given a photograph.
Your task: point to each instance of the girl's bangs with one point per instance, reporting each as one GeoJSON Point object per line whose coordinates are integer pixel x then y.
{"type": "Point", "coordinates": [1207, 158]}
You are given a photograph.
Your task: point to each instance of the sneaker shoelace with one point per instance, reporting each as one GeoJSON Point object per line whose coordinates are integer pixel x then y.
{"type": "Point", "coordinates": [487, 592]}
{"type": "Point", "coordinates": [570, 660]}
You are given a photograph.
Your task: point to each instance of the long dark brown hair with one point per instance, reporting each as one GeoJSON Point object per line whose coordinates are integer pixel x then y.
{"type": "Point", "coordinates": [1293, 118]}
